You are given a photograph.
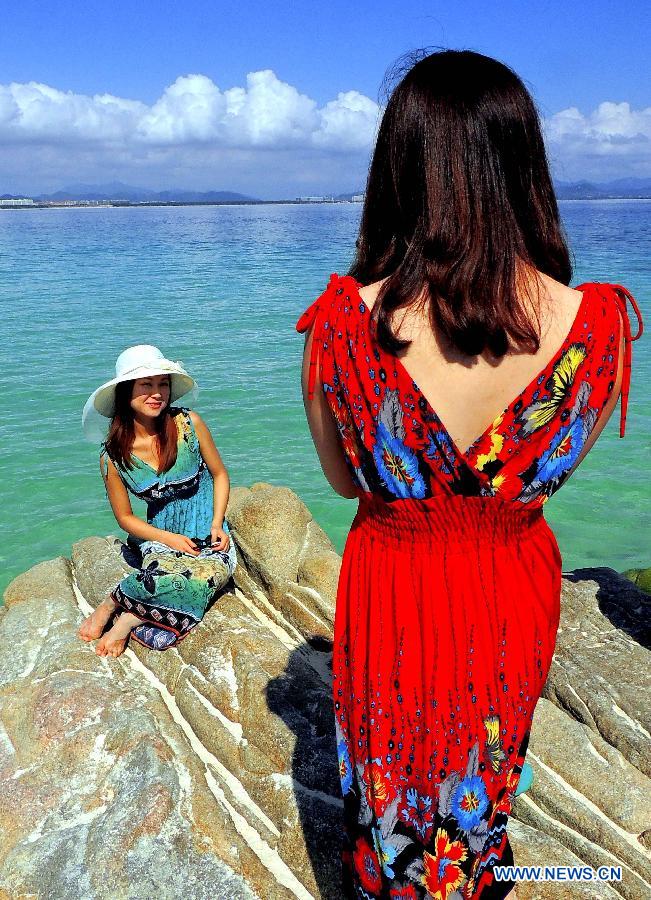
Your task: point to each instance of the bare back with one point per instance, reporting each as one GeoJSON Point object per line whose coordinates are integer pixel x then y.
{"type": "Point", "coordinates": [468, 392]}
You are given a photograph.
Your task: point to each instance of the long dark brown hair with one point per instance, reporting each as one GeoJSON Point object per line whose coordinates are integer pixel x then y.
{"type": "Point", "coordinates": [460, 203]}
{"type": "Point", "coordinates": [121, 433]}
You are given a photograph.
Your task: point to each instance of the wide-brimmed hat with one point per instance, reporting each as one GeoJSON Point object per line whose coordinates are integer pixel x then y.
{"type": "Point", "coordinates": [135, 362]}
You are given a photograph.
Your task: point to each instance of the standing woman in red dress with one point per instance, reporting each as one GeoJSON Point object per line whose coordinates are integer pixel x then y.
{"type": "Point", "coordinates": [452, 381]}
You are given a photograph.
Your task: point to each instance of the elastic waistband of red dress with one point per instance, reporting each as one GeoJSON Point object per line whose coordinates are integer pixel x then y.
{"type": "Point", "coordinates": [456, 517]}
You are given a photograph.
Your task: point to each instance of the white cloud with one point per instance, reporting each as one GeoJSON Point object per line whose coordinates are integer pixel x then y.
{"type": "Point", "coordinates": [350, 121]}
{"type": "Point", "coordinates": [249, 138]}
{"type": "Point", "coordinates": [33, 111]}
{"type": "Point", "coordinates": [189, 110]}
{"type": "Point", "coordinates": [612, 138]}
{"type": "Point", "coordinates": [267, 113]}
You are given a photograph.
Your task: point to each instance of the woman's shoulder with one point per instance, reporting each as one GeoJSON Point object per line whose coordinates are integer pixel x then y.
{"type": "Point", "coordinates": [183, 416]}
{"type": "Point", "coordinates": [187, 421]}
{"type": "Point", "coordinates": [370, 292]}
{"type": "Point", "coordinates": [105, 454]}
{"type": "Point", "coordinates": [106, 459]}
{"type": "Point", "coordinates": [186, 413]}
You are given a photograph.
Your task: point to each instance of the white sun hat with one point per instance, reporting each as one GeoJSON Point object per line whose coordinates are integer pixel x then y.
{"type": "Point", "coordinates": [140, 361]}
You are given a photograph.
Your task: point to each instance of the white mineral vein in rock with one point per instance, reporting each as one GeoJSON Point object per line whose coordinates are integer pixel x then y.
{"type": "Point", "coordinates": [289, 636]}
{"type": "Point", "coordinates": [299, 602]}
{"type": "Point", "coordinates": [98, 754]}
{"type": "Point", "coordinates": [19, 772]}
{"type": "Point", "coordinates": [593, 750]}
{"type": "Point", "coordinates": [633, 723]}
{"type": "Point", "coordinates": [567, 789]}
{"type": "Point", "coordinates": [221, 669]}
{"type": "Point", "coordinates": [316, 660]}
{"type": "Point", "coordinates": [33, 652]}
{"type": "Point", "coordinates": [234, 727]}
{"type": "Point", "coordinates": [314, 593]}
{"type": "Point", "coordinates": [82, 819]}
{"type": "Point", "coordinates": [557, 824]}
{"type": "Point", "coordinates": [270, 857]}
{"type": "Point", "coordinates": [577, 837]}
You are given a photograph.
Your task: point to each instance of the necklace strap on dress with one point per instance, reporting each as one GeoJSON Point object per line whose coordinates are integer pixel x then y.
{"type": "Point", "coordinates": [621, 295]}
{"type": "Point", "coordinates": [313, 315]}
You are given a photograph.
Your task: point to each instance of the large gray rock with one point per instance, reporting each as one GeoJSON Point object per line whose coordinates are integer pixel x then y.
{"type": "Point", "coordinates": [286, 558]}
{"type": "Point", "coordinates": [103, 794]}
{"type": "Point", "coordinates": [236, 779]}
{"type": "Point", "coordinates": [601, 671]}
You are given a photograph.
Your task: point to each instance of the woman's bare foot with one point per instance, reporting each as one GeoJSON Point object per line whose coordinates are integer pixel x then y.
{"type": "Point", "coordinates": [93, 626]}
{"type": "Point", "coordinates": [114, 642]}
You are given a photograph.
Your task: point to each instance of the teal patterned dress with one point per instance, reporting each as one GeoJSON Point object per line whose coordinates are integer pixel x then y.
{"type": "Point", "coordinates": [171, 590]}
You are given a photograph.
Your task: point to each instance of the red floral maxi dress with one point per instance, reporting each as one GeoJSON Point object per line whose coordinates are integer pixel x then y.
{"type": "Point", "coordinates": [448, 600]}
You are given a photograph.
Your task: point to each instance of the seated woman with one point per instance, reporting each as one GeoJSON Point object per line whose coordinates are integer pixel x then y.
{"type": "Point", "coordinates": [166, 456]}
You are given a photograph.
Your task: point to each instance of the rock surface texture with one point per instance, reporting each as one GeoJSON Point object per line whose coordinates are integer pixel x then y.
{"type": "Point", "coordinates": [210, 770]}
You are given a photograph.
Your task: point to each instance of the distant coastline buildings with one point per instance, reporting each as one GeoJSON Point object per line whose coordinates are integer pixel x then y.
{"type": "Point", "coordinates": [342, 198]}
{"type": "Point", "coordinates": [13, 202]}
{"type": "Point", "coordinates": [41, 203]}
{"type": "Point", "coordinates": [116, 194]}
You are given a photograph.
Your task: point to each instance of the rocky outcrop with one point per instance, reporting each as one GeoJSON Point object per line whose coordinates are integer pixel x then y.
{"type": "Point", "coordinates": [210, 770]}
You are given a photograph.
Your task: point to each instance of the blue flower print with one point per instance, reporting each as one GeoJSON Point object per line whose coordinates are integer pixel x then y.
{"type": "Point", "coordinates": [466, 800]}
{"type": "Point", "coordinates": [345, 768]}
{"type": "Point", "coordinates": [385, 852]}
{"type": "Point", "coordinates": [563, 451]}
{"type": "Point", "coordinates": [388, 842]}
{"type": "Point", "coordinates": [343, 755]}
{"type": "Point", "coordinates": [469, 802]}
{"type": "Point", "coordinates": [397, 465]}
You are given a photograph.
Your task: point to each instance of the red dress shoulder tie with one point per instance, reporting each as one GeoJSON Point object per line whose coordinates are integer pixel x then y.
{"type": "Point", "coordinates": [313, 314]}
{"type": "Point", "coordinates": [621, 295]}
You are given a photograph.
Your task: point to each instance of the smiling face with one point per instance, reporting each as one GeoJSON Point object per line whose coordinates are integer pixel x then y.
{"type": "Point", "coordinates": [151, 395]}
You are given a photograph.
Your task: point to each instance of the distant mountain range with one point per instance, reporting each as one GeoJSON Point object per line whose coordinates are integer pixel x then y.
{"type": "Point", "coordinates": [116, 190]}
{"type": "Point", "coordinates": [625, 188]}
{"type": "Point", "coordinates": [630, 188]}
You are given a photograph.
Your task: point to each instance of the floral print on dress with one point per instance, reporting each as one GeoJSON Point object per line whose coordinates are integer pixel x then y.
{"type": "Point", "coordinates": [398, 446]}
{"type": "Point", "coordinates": [431, 844]}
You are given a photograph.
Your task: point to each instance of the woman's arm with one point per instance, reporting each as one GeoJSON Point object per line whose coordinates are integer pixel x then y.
{"type": "Point", "coordinates": [325, 433]}
{"type": "Point", "coordinates": [121, 505]}
{"type": "Point", "coordinates": [221, 481]}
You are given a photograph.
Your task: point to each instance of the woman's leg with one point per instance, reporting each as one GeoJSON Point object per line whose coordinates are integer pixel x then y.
{"type": "Point", "coordinates": [114, 642]}
{"type": "Point", "coordinates": [94, 624]}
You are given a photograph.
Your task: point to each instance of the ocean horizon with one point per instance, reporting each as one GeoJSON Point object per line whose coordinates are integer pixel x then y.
{"type": "Point", "coordinates": [220, 287]}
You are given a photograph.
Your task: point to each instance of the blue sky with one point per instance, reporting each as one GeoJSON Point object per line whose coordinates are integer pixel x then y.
{"type": "Point", "coordinates": [305, 125]}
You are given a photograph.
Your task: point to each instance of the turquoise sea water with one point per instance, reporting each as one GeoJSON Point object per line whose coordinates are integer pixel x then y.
{"type": "Point", "coordinates": [220, 288]}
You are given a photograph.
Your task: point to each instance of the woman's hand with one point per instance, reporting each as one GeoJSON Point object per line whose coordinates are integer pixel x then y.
{"type": "Point", "coordinates": [219, 538]}
{"type": "Point", "coordinates": [179, 542]}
